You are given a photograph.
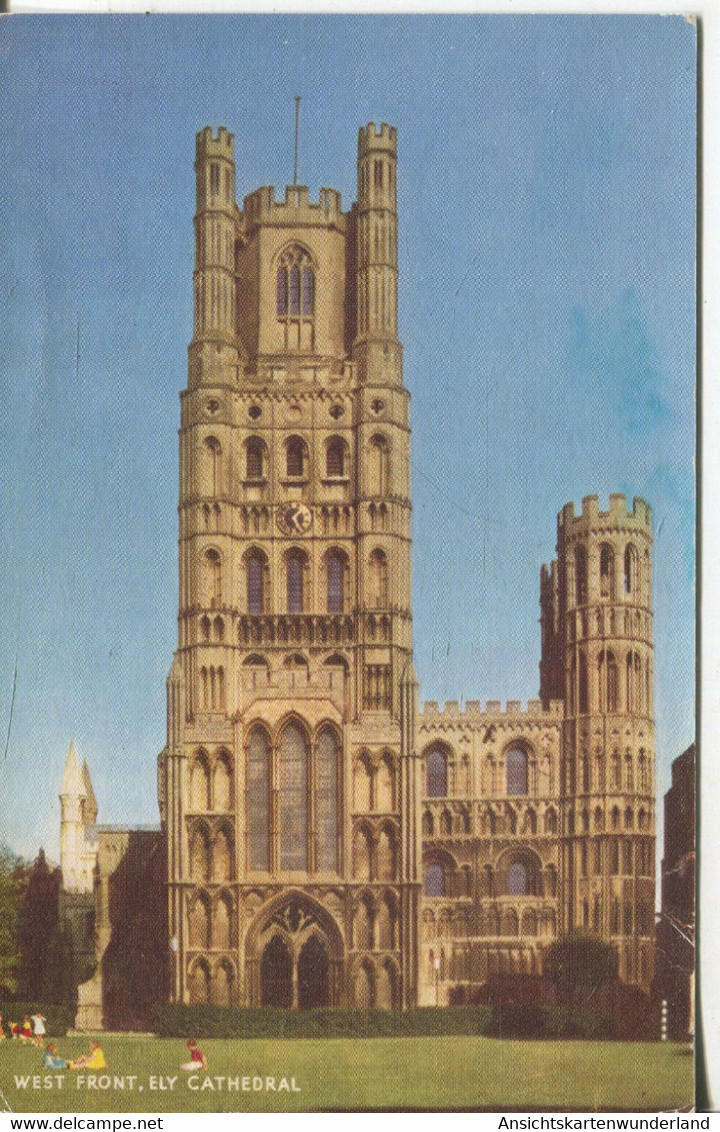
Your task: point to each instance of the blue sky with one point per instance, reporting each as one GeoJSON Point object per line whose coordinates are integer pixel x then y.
{"type": "Point", "coordinates": [547, 311]}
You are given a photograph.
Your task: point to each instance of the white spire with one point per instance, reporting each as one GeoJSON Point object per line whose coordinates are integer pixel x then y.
{"type": "Point", "coordinates": [91, 809]}
{"type": "Point", "coordinates": [72, 780]}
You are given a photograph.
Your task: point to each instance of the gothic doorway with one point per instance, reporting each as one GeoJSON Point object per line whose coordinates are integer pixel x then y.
{"type": "Point", "coordinates": [294, 956]}
{"type": "Point", "coordinates": [276, 974]}
{"type": "Point", "coordinates": [313, 971]}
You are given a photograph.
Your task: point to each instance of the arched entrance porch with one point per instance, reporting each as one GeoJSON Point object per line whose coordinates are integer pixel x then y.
{"type": "Point", "coordinates": [294, 955]}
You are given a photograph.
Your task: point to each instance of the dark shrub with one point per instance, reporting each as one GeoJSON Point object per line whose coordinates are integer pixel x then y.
{"type": "Point", "coordinates": [177, 1020]}
{"type": "Point", "coordinates": [59, 1019]}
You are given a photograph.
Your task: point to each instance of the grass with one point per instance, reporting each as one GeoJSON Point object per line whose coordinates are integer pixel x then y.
{"type": "Point", "coordinates": [443, 1074]}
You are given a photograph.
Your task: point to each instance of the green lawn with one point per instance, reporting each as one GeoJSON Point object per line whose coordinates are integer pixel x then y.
{"type": "Point", "coordinates": [371, 1073]}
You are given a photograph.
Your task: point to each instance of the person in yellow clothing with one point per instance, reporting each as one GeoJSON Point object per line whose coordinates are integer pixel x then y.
{"type": "Point", "coordinates": [95, 1059]}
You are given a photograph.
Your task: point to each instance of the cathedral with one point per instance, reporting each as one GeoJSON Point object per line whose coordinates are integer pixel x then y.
{"type": "Point", "coordinates": [324, 838]}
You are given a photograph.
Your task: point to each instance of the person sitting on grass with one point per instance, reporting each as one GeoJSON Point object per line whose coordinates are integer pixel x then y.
{"type": "Point", "coordinates": [197, 1060]}
{"type": "Point", "coordinates": [51, 1060]}
{"type": "Point", "coordinates": [94, 1060]}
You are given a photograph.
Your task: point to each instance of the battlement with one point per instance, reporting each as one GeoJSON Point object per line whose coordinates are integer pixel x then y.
{"type": "Point", "coordinates": [260, 207]}
{"type": "Point", "coordinates": [326, 683]}
{"type": "Point", "coordinates": [372, 139]}
{"type": "Point", "coordinates": [207, 145]}
{"type": "Point", "coordinates": [492, 708]}
{"type": "Point", "coordinates": [617, 513]}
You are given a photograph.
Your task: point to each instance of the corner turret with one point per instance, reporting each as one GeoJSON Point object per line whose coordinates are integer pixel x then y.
{"type": "Point", "coordinates": [214, 350]}
{"type": "Point", "coordinates": [598, 643]}
{"type": "Point", "coordinates": [377, 349]}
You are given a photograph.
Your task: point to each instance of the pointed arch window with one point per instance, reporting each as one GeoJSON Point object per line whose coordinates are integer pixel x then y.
{"type": "Point", "coordinates": [326, 804]}
{"type": "Point", "coordinates": [258, 799]}
{"type": "Point", "coordinates": [434, 880]}
{"type": "Point", "coordinates": [213, 453]}
{"type": "Point", "coordinates": [294, 307]}
{"type": "Point", "coordinates": [282, 290]}
{"type": "Point", "coordinates": [643, 771]}
{"type": "Point", "coordinates": [436, 773]}
{"type": "Point", "coordinates": [517, 879]}
{"type": "Point", "coordinates": [378, 579]}
{"type": "Point", "coordinates": [298, 828]}
{"type": "Point", "coordinates": [308, 291]}
{"type": "Point", "coordinates": [295, 283]}
{"type": "Point", "coordinates": [213, 577]}
{"type": "Point", "coordinates": [336, 458]}
{"type": "Point", "coordinates": [607, 681]}
{"type": "Point", "coordinates": [607, 572]}
{"type": "Point", "coordinates": [583, 685]}
{"type": "Point", "coordinates": [296, 458]}
{"type": "Point", "coordinates": [336, 566]}
{"type": "Point", "coordinates": [295, 298]}
{"type": "Point", "coordinates": [379, 466]}
{"type": "Point", "coordinates": [516, 771]}
{"type": "Point", "coordinates": [293, 776]}
{"type": "Point", "coordinates": [255, 459]}
{"type": "Point", "coordinates": [256, 570]}
{"type": "Point", "coordinates": [581, 580]}
{"type": "Point", "coordinates": [631, 569]}
{"type": "Point", "coordinates": [295, 566]}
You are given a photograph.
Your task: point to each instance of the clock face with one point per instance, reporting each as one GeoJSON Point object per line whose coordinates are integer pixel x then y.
{"type": "Point", "coordinates": [294, 519]}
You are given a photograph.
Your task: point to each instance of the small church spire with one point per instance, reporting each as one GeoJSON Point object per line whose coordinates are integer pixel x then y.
{"type": "Point", "coordinates": [91, 808]}
{"type": "Point", "coordinates": [72, 780]}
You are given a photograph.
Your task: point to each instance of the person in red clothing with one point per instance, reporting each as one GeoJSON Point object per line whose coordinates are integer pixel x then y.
{"type": "Point", "coordinates": [26, 1034]}
{"type": "Point", "coordinates": [197, 1060]}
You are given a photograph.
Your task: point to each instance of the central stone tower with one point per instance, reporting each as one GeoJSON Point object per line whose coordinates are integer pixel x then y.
{"type": "Point", "coordinates": [288, 784]}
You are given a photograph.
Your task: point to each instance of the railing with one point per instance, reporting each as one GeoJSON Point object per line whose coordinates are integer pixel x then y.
{"type": "Point", "coordinates": [296, 629]}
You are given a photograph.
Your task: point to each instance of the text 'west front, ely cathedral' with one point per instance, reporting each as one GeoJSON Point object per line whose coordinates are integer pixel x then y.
{"type": "Point", "coordinates": [324, 841]}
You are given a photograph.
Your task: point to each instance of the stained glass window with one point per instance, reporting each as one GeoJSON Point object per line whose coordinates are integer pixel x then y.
{"type": "Point", "coordinates": [517, 879]}
{"type": "Point", "coordinates": [335, 580]}
{"type": "Point", "coordinates": [436, 771]}
{"type": "Point", "coordinates": [293, 799]}
{"type": "Point", "coordinates": [258, 800]}
{"type": "Point", "coordinates": [326, 801]}
{"type": "Point", "coordinates": [516, 767]}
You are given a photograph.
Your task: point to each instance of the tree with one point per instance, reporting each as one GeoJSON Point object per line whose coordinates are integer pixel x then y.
{"type": "Point", "coordinates": [11, 871]}
{"type": "Point", "coordinates": [38, 931]}
{"type": "Point", "coordinates": [578, 964]}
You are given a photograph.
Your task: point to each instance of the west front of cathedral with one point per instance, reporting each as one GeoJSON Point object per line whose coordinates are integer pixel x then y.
{"type": "Point", "coordinates": [324, 841]}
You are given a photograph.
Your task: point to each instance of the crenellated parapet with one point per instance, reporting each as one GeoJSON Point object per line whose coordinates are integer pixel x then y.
{"type": "Point", "coordinates": [376, 139]}
{"type": "Point", "coordinates": [209, 144]}
{"type": "Point", "coordinates": [432, 714]}
{"type": "Point", "coordinates": [618, 514]}
{"type": "Point", "coordinates": [260, 207]}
